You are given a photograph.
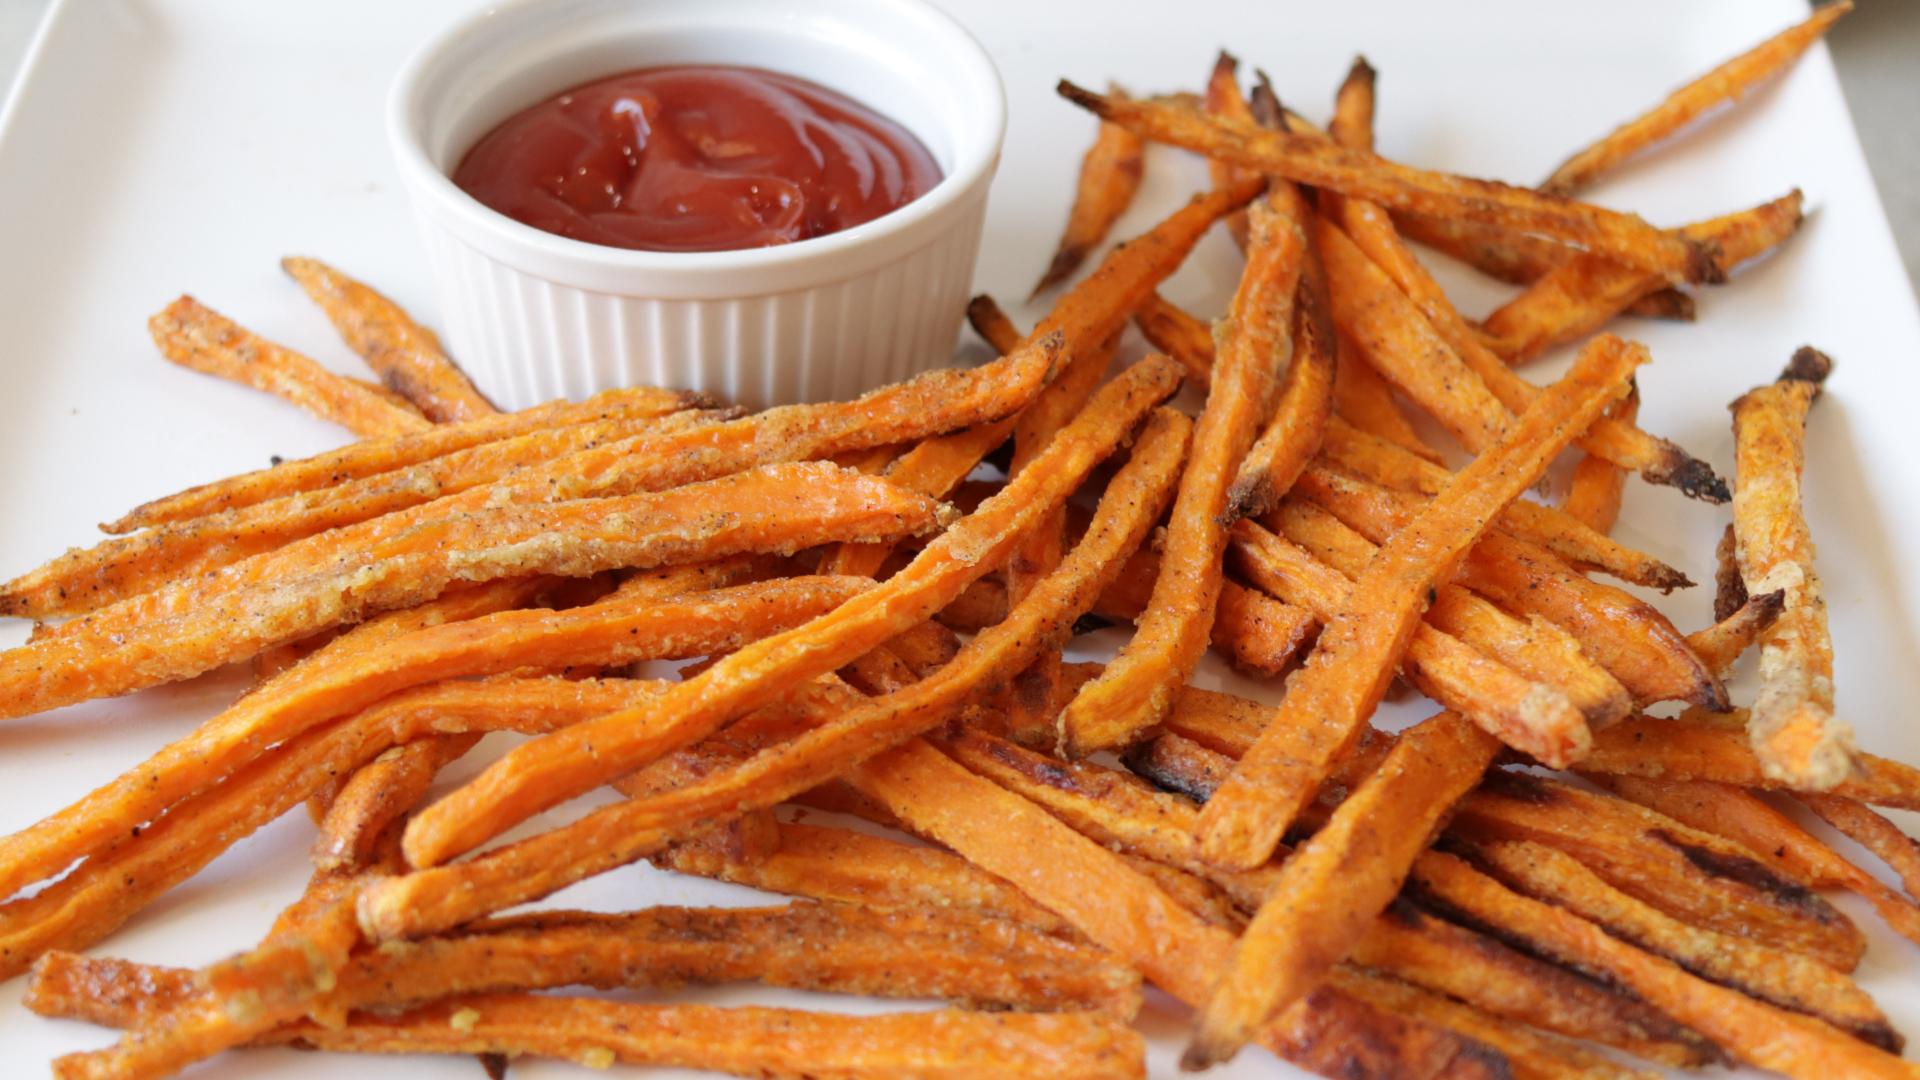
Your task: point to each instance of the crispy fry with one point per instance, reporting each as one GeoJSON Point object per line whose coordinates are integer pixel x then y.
{"type": "Point", "coordinates": [1694, 876]}
{"type": "Point", "coordinates": [197, 337]}
{"type": "Point", "coordinates": [1719, 645]}
{"type": "Point", "coordinates": [406, 355]}
{"type": "Point", "coordinates": [1788, 980]}
{"type": "Point", "coordinates": [1752, 1031]}
{"type": "Point", "coordinates": [1137, 688]}
{"type": "Point", "coordinates": [1727, 82]}
{"type": "Point", "coordinates": [1583, 292]}
{"type": "Point", "coordinates": [1125, 912]}
{"type": "Point", "coordinates": [370, 457]}
{"type": "Point", "coordinates": [1521, 259]}
{"type": "Point", "coordinates": [377, 795]}
{"type": "Point", "coordinates": [1594, 490]}
{"type": "Point", "coordinates": [1535, 715]}
{"type": "Point", "coordinates": [386, 395]}
{"type": "Point", "coordinates": [1173, 331]}
{"type": "Point", "coordinates": [1308, 159]}
{"type": "Point", "coordinates": [1352, 124]}
{"type": "Point", "coordinates": [1339, 881]}
{"type": "Point", "coordinates": [1224, 98]}
{"type": "Point", "coordinates": [622, 833]}
{"type": "Point", "coordinates": [395, 653]}
{"type": "Point", "coordinates": [1109, 176]}
{"type": "Point", "coordinates": [1775, 839]}
{"type": "Point", "coordinates": [1363, 399]}
{"type": "Point", "coordinates": [1354, 658]}
{"type": "Point", "coordinates": [1871, 831]}
{"type": "Point", "coordinates": [780, 508]}
{"type": "Point", "coordinates": [1634, 642]}
{"type": "Point", "coordinates": [1794, 731]}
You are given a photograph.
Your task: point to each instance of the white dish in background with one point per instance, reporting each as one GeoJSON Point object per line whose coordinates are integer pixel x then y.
{"type": "Point", "coordinates": [168, 147]}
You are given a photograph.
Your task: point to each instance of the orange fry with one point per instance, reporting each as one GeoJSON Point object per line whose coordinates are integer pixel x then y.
{"type": "Point", "coordinates": [406, 355]}
{"type": "Point", "coordinates": [1594, 490]}
{"type": "Point", "coordinates": [1109, 176]}
{"type": "Point", "coordinates": [1352, 124]}
{"type": "Point", "coordinates": [1173, 331]}
{"type": "Point", "coordinates": [1329, 701]}
{"type": "Point", "coordinates": [1871, 831]}
{"type": "Point", "coordinates": [378, 794]}
{"type": "Point", "coordinates": [1727, 82]}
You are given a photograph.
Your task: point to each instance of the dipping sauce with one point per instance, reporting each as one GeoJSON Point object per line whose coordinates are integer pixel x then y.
{"type": "Point", "coordinates": [697, 158]}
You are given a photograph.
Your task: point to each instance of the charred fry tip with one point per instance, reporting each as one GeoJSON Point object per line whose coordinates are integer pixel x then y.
{"type": "Point", "coordinates": [1704, 263]}
{"type": "Point", "coordinates": [1808, 365]}
{"type": "Point", "coordinates": [1098, 105]}
{"type": "Point", "coordinates": [1693, 478]}
{"type": "Point", "coordinates": [1361, 71]}
{"type": "Point", "coordinates": [1667, 578]}
{"type": "Point", "coordinates": [1226, 61]}
{"type": "Point", "coordinates": [1204, 1052]}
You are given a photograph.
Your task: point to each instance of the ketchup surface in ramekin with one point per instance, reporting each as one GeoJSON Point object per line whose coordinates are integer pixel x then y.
{"type": "Point", "coordinates": [697, 158]}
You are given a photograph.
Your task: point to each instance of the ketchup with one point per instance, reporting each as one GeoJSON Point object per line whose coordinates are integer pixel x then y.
{"type": "Point", "coordinates": [697, 158]}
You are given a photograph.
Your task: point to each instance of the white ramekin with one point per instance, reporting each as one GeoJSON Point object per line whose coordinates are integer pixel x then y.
{"type": "Point", "coordinates": [533, 316]}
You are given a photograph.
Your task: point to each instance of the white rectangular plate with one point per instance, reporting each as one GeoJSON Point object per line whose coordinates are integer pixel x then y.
{"type": "Point", "coordinates": [155, 148]}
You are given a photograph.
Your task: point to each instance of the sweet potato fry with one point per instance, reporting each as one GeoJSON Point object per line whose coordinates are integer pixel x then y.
{"type": "Point", "coordinates": [1175, 949]}
{"type": "Point", "coordinates": [1257, 634]}
{"type": "Point", "coordinates": [1694, 876]}
{"type": "Point", "coordinates": [386, 395]}
{"type": "Point", "coordinates": [1363, 399]}
{"type": "Point", "coordinates": [1728, 82]}
{"type": "Point", "coordinates": [1352, 124]}
{"type": "Point", "coordinates": [1754, 1032]}
{"type": "Point", "coordinates": [744, 1040]}
{"type": "Point", "coordinates": [1521, 259]}
{"type": "Point", "coordinates": [1173, 331]}
{"type": "Point", "coordinates": [1583, 292]}
{"type": "Point", "coordinates": [1788, 980]}
{"type": "Point", "coordinates": [1534, 715]}
{"type": "Point", "coordinates": [405, 355]}
{"type": "Point", "coordinates": [1136, 689]}
{"type": "Point", "coordinates": [850, 867]}
{"type": "Point", "coordinates": [1594, 490]}
{"type": "Point", "coordinates": [361, 668]}
{"type": "Point", "coordinates": [1883, 838]}
{"type": "Point", "coordinates": [1224, 98]}
{"type": "Point", "coordinates": [1310, 160]}
{"type": "Point", "coordinates": [1774, 838]}
{"type": "Point", "coordinates": [378, 794]}
{"type": "Point", "coordinates": [1109, 176]}
{"type": "Point", "coordinates": [422, 901]}
{"type": "Point", "coordinates": [778, 508]}
{"type": "Point", "coordinates": [1419, 947]}
{"type": "Point", "coordinates": [1719, 645]}
{"type": "Point", "coordinates": [194, 336]}
{"type": "Point", "coordinates": [1621, 633]}
{"type": "Point", "coordinates": [1794, 731]}
{"type": "Point", "coordinates": [1356, 652]}
{"type": "Point", "coordinates": [370, 457]}
{"type": "Point", "coordinates": [1334, 886]}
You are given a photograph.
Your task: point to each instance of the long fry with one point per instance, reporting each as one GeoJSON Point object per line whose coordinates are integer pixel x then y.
{"type": "Point", "coordinates": [1794, 731]}
{"type": "Point", "coordinates": [378, 794]}
{"type": "Point", "coordinates": [1326, 705]}
{"type": "Point", "coordinates": [1109, 176]}
{"type": "Point", "coordinates": [194, 336]}
{"type": "Point", "coordinates": [1596, 486]}
{"type": "Point", "coordinates": [1875, 833]}
{"type": "Point", "coordinates": [1309, 160]}
{"type": "Point", "coordinates": [1137, 688]}
{"type": "Point", "coordinates": [1256, 633]}
{"type": "Point", "coordinates": [1719, 645]}
{"type": "Point", "coordinates": [405, 355]}
{"type": "Point", "coordinates": [1173, 331]}
{"type": "Point", "coordinates": [1727, 82]}
{"type": "Point", "coordinates": [615, 835]}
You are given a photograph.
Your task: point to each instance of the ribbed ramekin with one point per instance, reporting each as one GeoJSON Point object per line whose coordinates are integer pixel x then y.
{"type": "Point", "coordinates": [534, 316]}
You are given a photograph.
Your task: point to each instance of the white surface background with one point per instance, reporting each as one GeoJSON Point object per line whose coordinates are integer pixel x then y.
{"type": "Point", "coordinates": [183, 147]}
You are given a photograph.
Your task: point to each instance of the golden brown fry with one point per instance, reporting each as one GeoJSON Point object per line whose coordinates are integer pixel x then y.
{"type": "Point", "coordinates": [1116, 907]}
{"type": "Point", "coordinates": [1594, 490]}
{"type": "Point", "coordinates": [1871, 831]}
{"type": "Point", "coordinates": [1334, 886]}
{"type": "Point", "coordinates": [1173, 331]}
{"type": "Point", "coordinates": [1109, 176]}
{"type": "Point", "coordinates": [1719, 645]}
{"type": "Point", "coordinates": [1697, 877]}
{"type": "Point", "coordinates": [1752, 1031]}
{"type": "Point", "coordinates": [1224, 98]}
{"type": "Point", "coordinates": [1329, 701]}
{"type": "Point", "coordinates": [1363, 399]}
{"type": "Point", "coordinates": [1137, 688]}
{"type": "Point", "coordinates": [1352, 124]}
{"type": "Point", "coordinates": [1794, 731]}
{"type": "Point", "coordinates": [1535, 716]}
{"type": "Point", "coordinates": [1625, 635]}
{"type": "Point", "coordinates": [373, 456]}
{"type": "Point", "coordinates": [1308, 159]}
{"type": "Point", "coordinates": [1727, 82]}
{"type": "Point", "coordinates": [406, 355]}
{"type": "Point", "coordinates": [1583, 292]}
{"type": "Point", "coordinates": [1788, 980]}
{"type": "Point", "coordinates": [197, 337]}
{"type": "Point", "coordinates": [781, 509]}
{"type": "Point", "coordinates": [378, 794]}
{"type": "Point", "coordinates": [421, 902]}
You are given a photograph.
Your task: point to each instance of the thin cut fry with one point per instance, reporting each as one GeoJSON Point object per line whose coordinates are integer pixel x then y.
{"type": "Point", "coordinates": [1752, 1031]}
{"type": "Point", "coordinates": [1681, 749]}
{"type": "Point", "coordinates": [1727, 82]}
{"type": "Point", "coordinates": [1109, 176]}
{"type": "Point", "coordinates": [1328, 702]}
{"type": "Point", "coordinates": [1788, 980]}
{"type": "Point", "coordinates": [1719, 645]}
{"type": "Point", "coordinates": [1224, 98]}
{"type": "Point", "coordinates": [1310, 160]}
{"type": "Point", "coordinates": [1871, 831]}
{"type": "Point", "coordinates": [1794, 731]}
{"type": "Point", "coordinates": [1136, 689]}
{"type": "Point", "coordinates": [196, 337]}
{"type": "Point", "coordinates": [1352, 124]}
{"type": "Point", "coordinates": [1594, 490]}
{"type": "Point", "coordinates": [421, 901]}
{"type": "Point", "coordinates": [406, 355]}
{"type": "Point", "coordinates": [1173, 331]}
{"type": "Point", "coordinates": [378, 794]}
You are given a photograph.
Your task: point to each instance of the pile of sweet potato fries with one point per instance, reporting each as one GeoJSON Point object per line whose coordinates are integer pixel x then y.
{"type": "Point", "coordinates": [871, 604]}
